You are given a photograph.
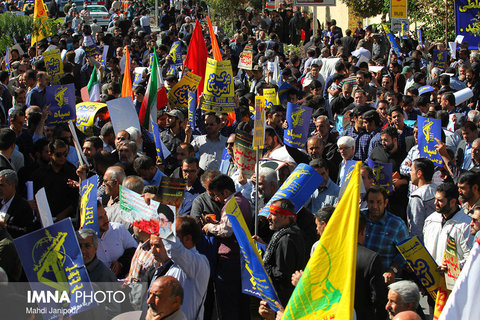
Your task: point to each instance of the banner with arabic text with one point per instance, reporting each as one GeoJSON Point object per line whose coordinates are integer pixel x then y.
{"type": "Point", "coordinates": [54, 65]}
{"type": "Point", "coordinates": [243, 153]}
{"type": "Point", "coordinates": [466, 13]}
{"type": "Point", "coordinates": [178, 95]}
{"type": "Point", "coordinates": [88, 204]}
{"type": "Point", "coordinates": [428, 130]}
{"type": "Point", "coordinates": [86, 112]}
{"type": "Point", "coordinates": [298, 119]}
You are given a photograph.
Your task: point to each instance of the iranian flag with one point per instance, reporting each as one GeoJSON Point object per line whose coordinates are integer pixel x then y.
{"type": "Point", "coordinates": [155, 96]}
{"type": "Point", "coordinates": [93, 86]}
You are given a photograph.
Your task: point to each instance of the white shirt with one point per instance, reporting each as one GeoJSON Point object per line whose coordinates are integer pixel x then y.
{"type": "Point", "coordinates": [192, 270]}
{"type": "Point", "coordinates": [5, 206]}
{"type": "Point", "coordinates": [113, 243]}
{"type": "Point", "coordinates": [435, 236]}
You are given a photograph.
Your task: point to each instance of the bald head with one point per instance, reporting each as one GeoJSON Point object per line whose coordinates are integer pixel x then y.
{"type": "Point", "coordinates": [407, 315]}
{"type": "Point", "coordinates": [165, 297]}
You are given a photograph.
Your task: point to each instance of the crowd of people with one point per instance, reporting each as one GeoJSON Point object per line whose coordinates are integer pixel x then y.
{"type": "Point", "coordinates": [359, 113]}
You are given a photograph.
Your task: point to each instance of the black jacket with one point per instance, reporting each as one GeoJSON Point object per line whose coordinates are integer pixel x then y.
{"type": "Point", "coordinates": [20, 218]}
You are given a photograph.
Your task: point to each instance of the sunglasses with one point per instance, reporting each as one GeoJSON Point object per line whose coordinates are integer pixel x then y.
{"type": "Point", "coordinates": [60, 154]}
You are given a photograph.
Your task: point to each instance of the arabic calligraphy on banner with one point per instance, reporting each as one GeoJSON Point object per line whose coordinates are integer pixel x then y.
{"type": "Point", "coordinates": [218, 92]}
{"type": "Point", "coordinates": [178, 95]}
{"type": "Point", "coordinates": [246, 60]}
{"type": "Point", "coordinates": [86, 112]}
{"type": "Point", "coordinates": [53, 65]}
{"type": "Point", "coordinates": [466, 12]}
{"type": "Point", "coordinates": [62, 103]}
{"type": "Point", "coordinates": [243, 153]}
{"type": "Point", "coordinates": [259, 123]}
{"type": "Point", "coordinates": [298, 119]}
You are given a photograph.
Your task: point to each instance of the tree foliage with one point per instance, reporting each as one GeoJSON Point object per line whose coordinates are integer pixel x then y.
{"type": "Point", "coordinates": [431, 15]}
{"type": "Point", "coordinates": [225, 12]}
{"type": "Point", "coordinates": [368, 8]}
{"type": "Point", "coordinates": [17, 27]}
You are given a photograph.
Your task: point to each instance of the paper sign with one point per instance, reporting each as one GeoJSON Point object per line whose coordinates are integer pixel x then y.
{"type": "Point", "coordinates": [123, 114]}
{"type": "Point", "coordinates": [459, 39]}
{"type": "Point", "coordinates": [178, 95]}
{"type": "Point", "coordinates": [462, 95]}
{"type": "Point", "coordinates": [243, 153]}
{"type": "Point", "coordinates": [88, 205]}
{"type": "Point", "coordinates": [453, 49]}
{"type": "Point", "coordinates": [171, 191]}
{"type": "Point", "coordinates": [53, 65]}
{"type": "Point", "coordinates": [422, 264]}
{"type": "Point", "coordinates": [440, 59]}
{"type": "Point", "coordinates": [246, 60]}
{"type": "Point", "coordinates": [76, 143]}
{"type": "Point", "coordinates": [375, 68]}
{"type": "Point", "coordinates": [298, 119]}
{"type": "Point", "coordinates": [44, 208]}
{"type": "Point", "coordinates": [218, 92]}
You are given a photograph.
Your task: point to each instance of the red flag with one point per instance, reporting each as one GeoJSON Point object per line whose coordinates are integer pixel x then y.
{"type": "Point", "coordinates": [302, 37]}
{"type": "Point", "coordinates": [127, 78]}
{"type": "Point", "coordinates": [197, 55]}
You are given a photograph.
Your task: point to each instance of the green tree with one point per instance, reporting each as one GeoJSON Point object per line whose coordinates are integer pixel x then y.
{"type": "Point", "coordinates": [368, 8]}
{"type": "Point", "coordinates": [225, 11]}
{"type": "Point", "coordinates": [430, 15]}
{"type": "Point", "coordinates": [17, 27]}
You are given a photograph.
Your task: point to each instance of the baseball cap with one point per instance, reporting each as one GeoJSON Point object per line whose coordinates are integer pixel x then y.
{"type": "Point", "coordinates": [407, 69]}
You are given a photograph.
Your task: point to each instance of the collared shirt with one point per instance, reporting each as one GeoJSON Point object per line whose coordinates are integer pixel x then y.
{"type": "Point", "coordinates": [113, 242]}
{"type": "Point", "coordinates": [362, 141]}
{"type": "Point", "coordinates": [36, 97]}
{"type": "Point", "coordinates": [172, 142]}
{"type": "Point", "coordinates": [156, 179]}
{"type": "Point", "coordinates": [383, 235]}
{"type": "Point", "coordinates": [376, 140]}
{"type": "Point", "coordinates": [192, 270]}
{"type": "Point", "coordinates": [469, 210]}
{"type": "Point", "coordinates": [467, 157]}
{"type": "Point", "coordinates": [323, 196]}
{"type": "Point", "coordinates": [210, 151]}
{"type": "Point", "coordinates": [142, 260]}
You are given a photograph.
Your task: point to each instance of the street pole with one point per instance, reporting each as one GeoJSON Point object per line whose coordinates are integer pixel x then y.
{"type": "Point", "coordinates": [156, 13]}
{"type": "Point", "coordinates": [315, 25]}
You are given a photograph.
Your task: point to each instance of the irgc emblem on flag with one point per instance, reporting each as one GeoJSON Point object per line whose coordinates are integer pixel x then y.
{"type": "Point", "coordinates": [218, 92]}
{"type": "Point", "coordinates": [176, 53]}
{"type": "Point", "coordinates": [429, 130]}
{"type": "Point", "coordinates": [255, 281]}
{"type": "Point", "coordinates": [324, 291]}
{"type": "Point", "coordinates": [62, 103]}
{"type": "Point", "coordinates": [88, 205]}
{"type": "Point", "coordinates": [53, 263]}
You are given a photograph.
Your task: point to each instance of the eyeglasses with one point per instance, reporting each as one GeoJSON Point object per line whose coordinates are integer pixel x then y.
{"type": "Point", "coordinates": [60, 154]}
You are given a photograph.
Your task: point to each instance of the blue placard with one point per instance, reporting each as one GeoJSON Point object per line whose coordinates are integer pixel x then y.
{"type": "Point", "coordinates": [419, 36]}
{"type": "Point", "coordinates": [391, 39]}
{"type": "Point", "coordinates": [298, 187]}
{"type": "Point", "coordinates": [91, 51]}
{"type": "Point", "coordinates": [298, 119]}
{"type": "Point", "coordinates": [466, 14]}
{"type": "Point", "coordinates": [53, 263]}
{"type": "Point", "coordinates": [137, 78]}
{"type": "Point", "coordinates": [440, 59]}
{"type": "Point", "coordinates": [429, 130]}
{"type": "Point", "coordinates": [88, 205]}
{"type": "Point", "coordinates": [61, 99]}
{"type": "Point", "coordinates": [255, 280]}
{"type": "Point", "coordinates": [7, 60]}
{"type": "Point", "coordinates": [176, 53]}
{"type": "Point", "coordinates": [382, 174]}
{"type": "Point", "coordinates": [192, 108]}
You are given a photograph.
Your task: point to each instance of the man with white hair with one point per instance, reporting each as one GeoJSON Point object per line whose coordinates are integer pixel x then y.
{"type": "Point", "coordinates": [346, 147]}
{"type": "Point", "coordinates": [402, 296]}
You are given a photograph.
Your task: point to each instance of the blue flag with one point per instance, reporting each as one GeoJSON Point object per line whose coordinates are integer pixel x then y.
{"type": "Point", "coordinates": [382, 174]}
{"type": "Point", "coordinates": [391, 39]}
{"type": "Point", "coordinates": [162, 151]}
{"type": "Point", "coordinates": [7, 60]}
{"type": "Point", "coordinates": [298, 187]}
{"type": "Point", "coordinates": [283, 90]}
{"type": "Point", "coordinates": [53, 263]}
{"type": "Point", "coordinates": [298, 119]}
{"type": "Point", "coordinates": [88, 205]}
{"type": "Point", "coordinates": [103, 63]}
{"type": "Point", "coordinates": [349, 166]}
{"type": "Point", "coordinates": [192, 108]}
{"type": "Point", "coordinates": [61, 99]}
{"type": "Point", "coordinates": [428, 130]}
{"type": "Point", "coordinates": [419, 36]}
{"type": "Point", "coordinates": [176, 53]}
{"type": "Point", "coordinates": [255, 280]}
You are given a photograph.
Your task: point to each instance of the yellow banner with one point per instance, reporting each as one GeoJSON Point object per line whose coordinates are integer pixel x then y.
{"type": "Point", "coordinates": [86, 112]}
{"type": "Point", "coordinates": [218, 92]}
{"type": "Point", "coordinates": [422, 264]}
{"type": "Point", "coordinates": [398, 9]}
{"type": "Point", "coordinates": [54, 65]}
{"type": "Point", "coordinates": [178, 95]}
{"type": "Point", "coordinates": [259, 123]}
{"type": "Point", "coordinates": [270, 96]}
{"type": "Point", "coordinates": [324, 291]}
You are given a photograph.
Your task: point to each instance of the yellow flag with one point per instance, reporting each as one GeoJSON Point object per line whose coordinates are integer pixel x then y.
{"type": "Point", "coordinates": [326, 289]}
{"type": "Point", "coordinates": [39, 11]}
